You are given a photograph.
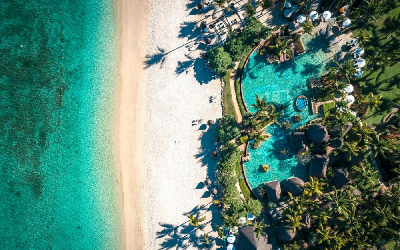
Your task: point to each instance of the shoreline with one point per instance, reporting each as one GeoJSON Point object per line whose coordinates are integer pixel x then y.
{"type": "Point", "coordinates": [133, 18]}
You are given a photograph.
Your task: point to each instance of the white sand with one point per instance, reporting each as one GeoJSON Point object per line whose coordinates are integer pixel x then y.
{"type": "Point", "coordinates": [157, 141]}
{"type": "Point", "coordinates": [173, 101]}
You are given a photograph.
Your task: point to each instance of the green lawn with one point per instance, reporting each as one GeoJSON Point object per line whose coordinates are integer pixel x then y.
{"type": "Point", "coordinates": [384, 82]}
{"type": "Point", "coordinates": [229, 109]}
{"type": "Point", "coordinates": [327, 107]}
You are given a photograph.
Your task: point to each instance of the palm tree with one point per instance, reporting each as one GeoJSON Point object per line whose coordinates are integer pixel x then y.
{"type": "Point", "coordinates": [294, 221]}
{"type": "Point", "coordinates": [374, 102]}
{"type": "Point", "coordinates": [231, 220]}
{"type": "Point", "coordinates": [261, 104]}
{"type": "Point", "coordinates": [363, 174]}
{"type": "Point", "coordinates": [265, 4]}
{"type": "Point", "coordinates": [259, 228]}
{"type": "Point", "coordinates": [220, 3]}
{"type": "Point", "coordinates": [370, 10]}
{"type": "Point", "coordinates": [220, 232]}
{"type": "Point", "coordinates": [253, 207]}
{"type": "Point", "coordinates": [313, 188]}
{"type": "Point", "coordinates": [391, 24]}
{"type": "Point", "coordinates": [346, 69]}
{"type": "Point", "coordinates": [280, 46]}
{"type": "Point", "coordinates": [308, 28]}
{"type": "Point", "coordinates": [349, 149]}
{"type": "Point", "coordinates": [250, 10]}
{"type": "Point", "coordinates": [363, 38]}
{"type": "Point", "coordinates": [379, 58]}
{"type": "Point", "coordinates": [206, 239]}
{"type": "Point", "coordinates": [195, 220]}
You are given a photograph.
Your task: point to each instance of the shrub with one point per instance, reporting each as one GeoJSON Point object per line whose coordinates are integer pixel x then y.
{"type": "Point", "coordinates": [227, 130]}
{"type": "Point", "coordinates": [219, 60]}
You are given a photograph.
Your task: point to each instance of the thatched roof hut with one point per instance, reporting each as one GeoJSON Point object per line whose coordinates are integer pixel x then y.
{"type": "Point", "coordinates": [341, 177]}
{"type": "Point", "coordinates": [247, 240]}
{"type": "Point", "coordinates": [317, 133]}
{"type": "Point", "coordinates": [208, 40]}
{"type": "Point", "coordinates": [335, 131]}
{"type": "Point", "coordinates": [297, 140]}
{"type": "Point", "coordinates": [319, 165]}
{"type": "Point", "coordinates": [285, 233]}
{"type": "Point", "coordinates": [214, 191]}
{"type": "Point", "coordinates": [273, 190]}
{"type": "Point", "coordinates": [207, 182]}
{"type": "Point", "coordinates": [294, 185]}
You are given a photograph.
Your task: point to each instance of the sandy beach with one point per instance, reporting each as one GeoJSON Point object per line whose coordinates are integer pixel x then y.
{"type": "Point", "coordinates": [163, 157]}
{"type": "Point", "coordinates": [133, 18]}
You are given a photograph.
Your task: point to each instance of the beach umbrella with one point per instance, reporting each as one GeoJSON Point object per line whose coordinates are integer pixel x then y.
{"type": "Point", "coordinates": [314, 15]}
{"type": "Point", "coordinates": [349, 88]}
{"type": "Point", "coordinates": [301, 18]}
{"type": "Point", "coordinates": [326, 15]}
{"type": "Point", "coordinates": [350, 99]}
{"type": "Point", "coordinates": [360, 63]}
{"type": "Point", "coordinates": [214, 191]}
{"type": "Point", "coordinates": [359, 51]}
{"type": "Point", "coordinates": [294, 8]}
{"type": "Point", "coordinates": [230, 247]}
{"type": "Point", "coordinates": [208, 40]}
{"type": "Point", "coordinates": [207, 182]}
{"type": "Point", "coordinates": [359, 73]}
{"type": "Point", "coordinates": [231, 238]}
{"type": "Point", "coordinates": [210, 122]}
{"type": "Point", "coordinates": [287, 13]}
{"type": "Point", "coordinates": [288, 4]}
{"type": "Point", "coordinates": [346, 23]}
{"type": "Point", "coordinates": [242, 220]}
{"type": "Point", "coordinates": [214, 153]}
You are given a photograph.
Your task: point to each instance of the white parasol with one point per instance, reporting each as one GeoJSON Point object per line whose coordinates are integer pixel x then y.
{"type": "Point", "coordinates": [349, 88]}
{"type": "Point", "coordinates": [231, 238]}
{"type": "Point", "coordinates": [314, 15]}
{"type": "Point", "coordinates": [346, 23]}
{"type": "Point", "coordinates": [230, 247]}
{"type": "Point", "coordinates": [359, 73]}
{"type": "Point", "coordinates": [326, 15]}
{"type": "Point", "coordinates": [350, 99]}
{"type": "Point", "coordinates": [301, 18]}
{"type": "Point", "coordinates": [360, 63]}
{"type": "Point", "coordinates": [288, 4]}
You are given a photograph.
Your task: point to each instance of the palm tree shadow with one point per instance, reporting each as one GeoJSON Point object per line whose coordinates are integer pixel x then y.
{"type": "Point", "coordinates": [190, 30]}
{"type": "Point", "coordinates": [157, 58]}
{"type": "Point", "coordinates": [202, 74]}
{"type": "Point", "coordinates": [310, 69]}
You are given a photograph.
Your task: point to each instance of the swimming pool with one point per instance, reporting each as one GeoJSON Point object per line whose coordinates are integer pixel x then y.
{"type": "Point", "coordinates": [281, 84]}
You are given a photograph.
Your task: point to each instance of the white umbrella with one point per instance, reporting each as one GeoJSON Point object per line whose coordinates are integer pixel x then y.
{"type": "Point", "coordinates": [301, 18]}
{"type": "Point", "coordinates": [359, 73]}
{"type": "Point", "coordinates": [287, 13]}
{"type": "Point", "coordinates": [359, 51]}
{"type": "Point", "coordinates": [242, 220]}
{"type": "Point", "coordinates": [294, 8]}
{"type": "Point", "coordinates": [326, 15]}
{"type": "Point", "coordinates": [313, 15]}
{"type": "Point", "coordinates": [360, 63]}
{"type": "Point", "coordinates": [350, 99]}
{"type": "Point", "coordinates": [231, 238]}
{"type": "Point", "coordinates": [230, 247]}
{"type": "Point", "coordinates": [346, 23]}
{"type": "Point", "coordinates": [349, 88]}
{"type": "Point", "coordinates": [288, 4]}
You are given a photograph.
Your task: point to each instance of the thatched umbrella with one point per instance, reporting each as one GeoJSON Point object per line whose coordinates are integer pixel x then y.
{"type": "Point", "coordinates": [247, 239]}
{"type": "Point", "coordinates": [208, 40]}
{"type": "Point", "coordinates": [207, 182]}
{"type": "Point", "coordinates": [214, 153]}
{"type": "Point", "coordinates": [210, 122]}
{"type": "Point", "coordinates": [214, 191]}
{"type": "Point", "coordinates": [273, 189]}
{"type": "Point", "coordinates": [200, 6]}
{"type": "Point", "coordinates": [294, 185]}
{"type": "Point", "coordinates": [285, 234]}
{"type": "Point", "coordinates": [319, 165]}
{"type": "Point", "coordinates": [317, 133]}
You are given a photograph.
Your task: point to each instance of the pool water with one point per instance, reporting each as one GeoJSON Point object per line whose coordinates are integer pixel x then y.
{"type": "Point", "coordinates": [281, 84]}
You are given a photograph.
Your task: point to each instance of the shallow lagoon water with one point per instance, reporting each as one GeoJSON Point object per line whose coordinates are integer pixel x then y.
{"type": "Point", "coordinates": [281, 84]}
{"type": "Point", "coordinates": [58, 179]}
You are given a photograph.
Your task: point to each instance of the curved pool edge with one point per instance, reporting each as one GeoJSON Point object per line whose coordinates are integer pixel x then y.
{"type": "Point", "coordinates": [254, 195]}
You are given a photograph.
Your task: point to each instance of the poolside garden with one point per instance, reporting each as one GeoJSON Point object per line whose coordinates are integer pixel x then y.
{"type": "Point", "coordinates": [314, 173]}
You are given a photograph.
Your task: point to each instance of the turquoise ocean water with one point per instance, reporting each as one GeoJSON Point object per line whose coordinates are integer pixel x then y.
{"type": "Point", "coordinates": [282, 84]}
{"type": "Point", "coordinates": [58, 178]}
